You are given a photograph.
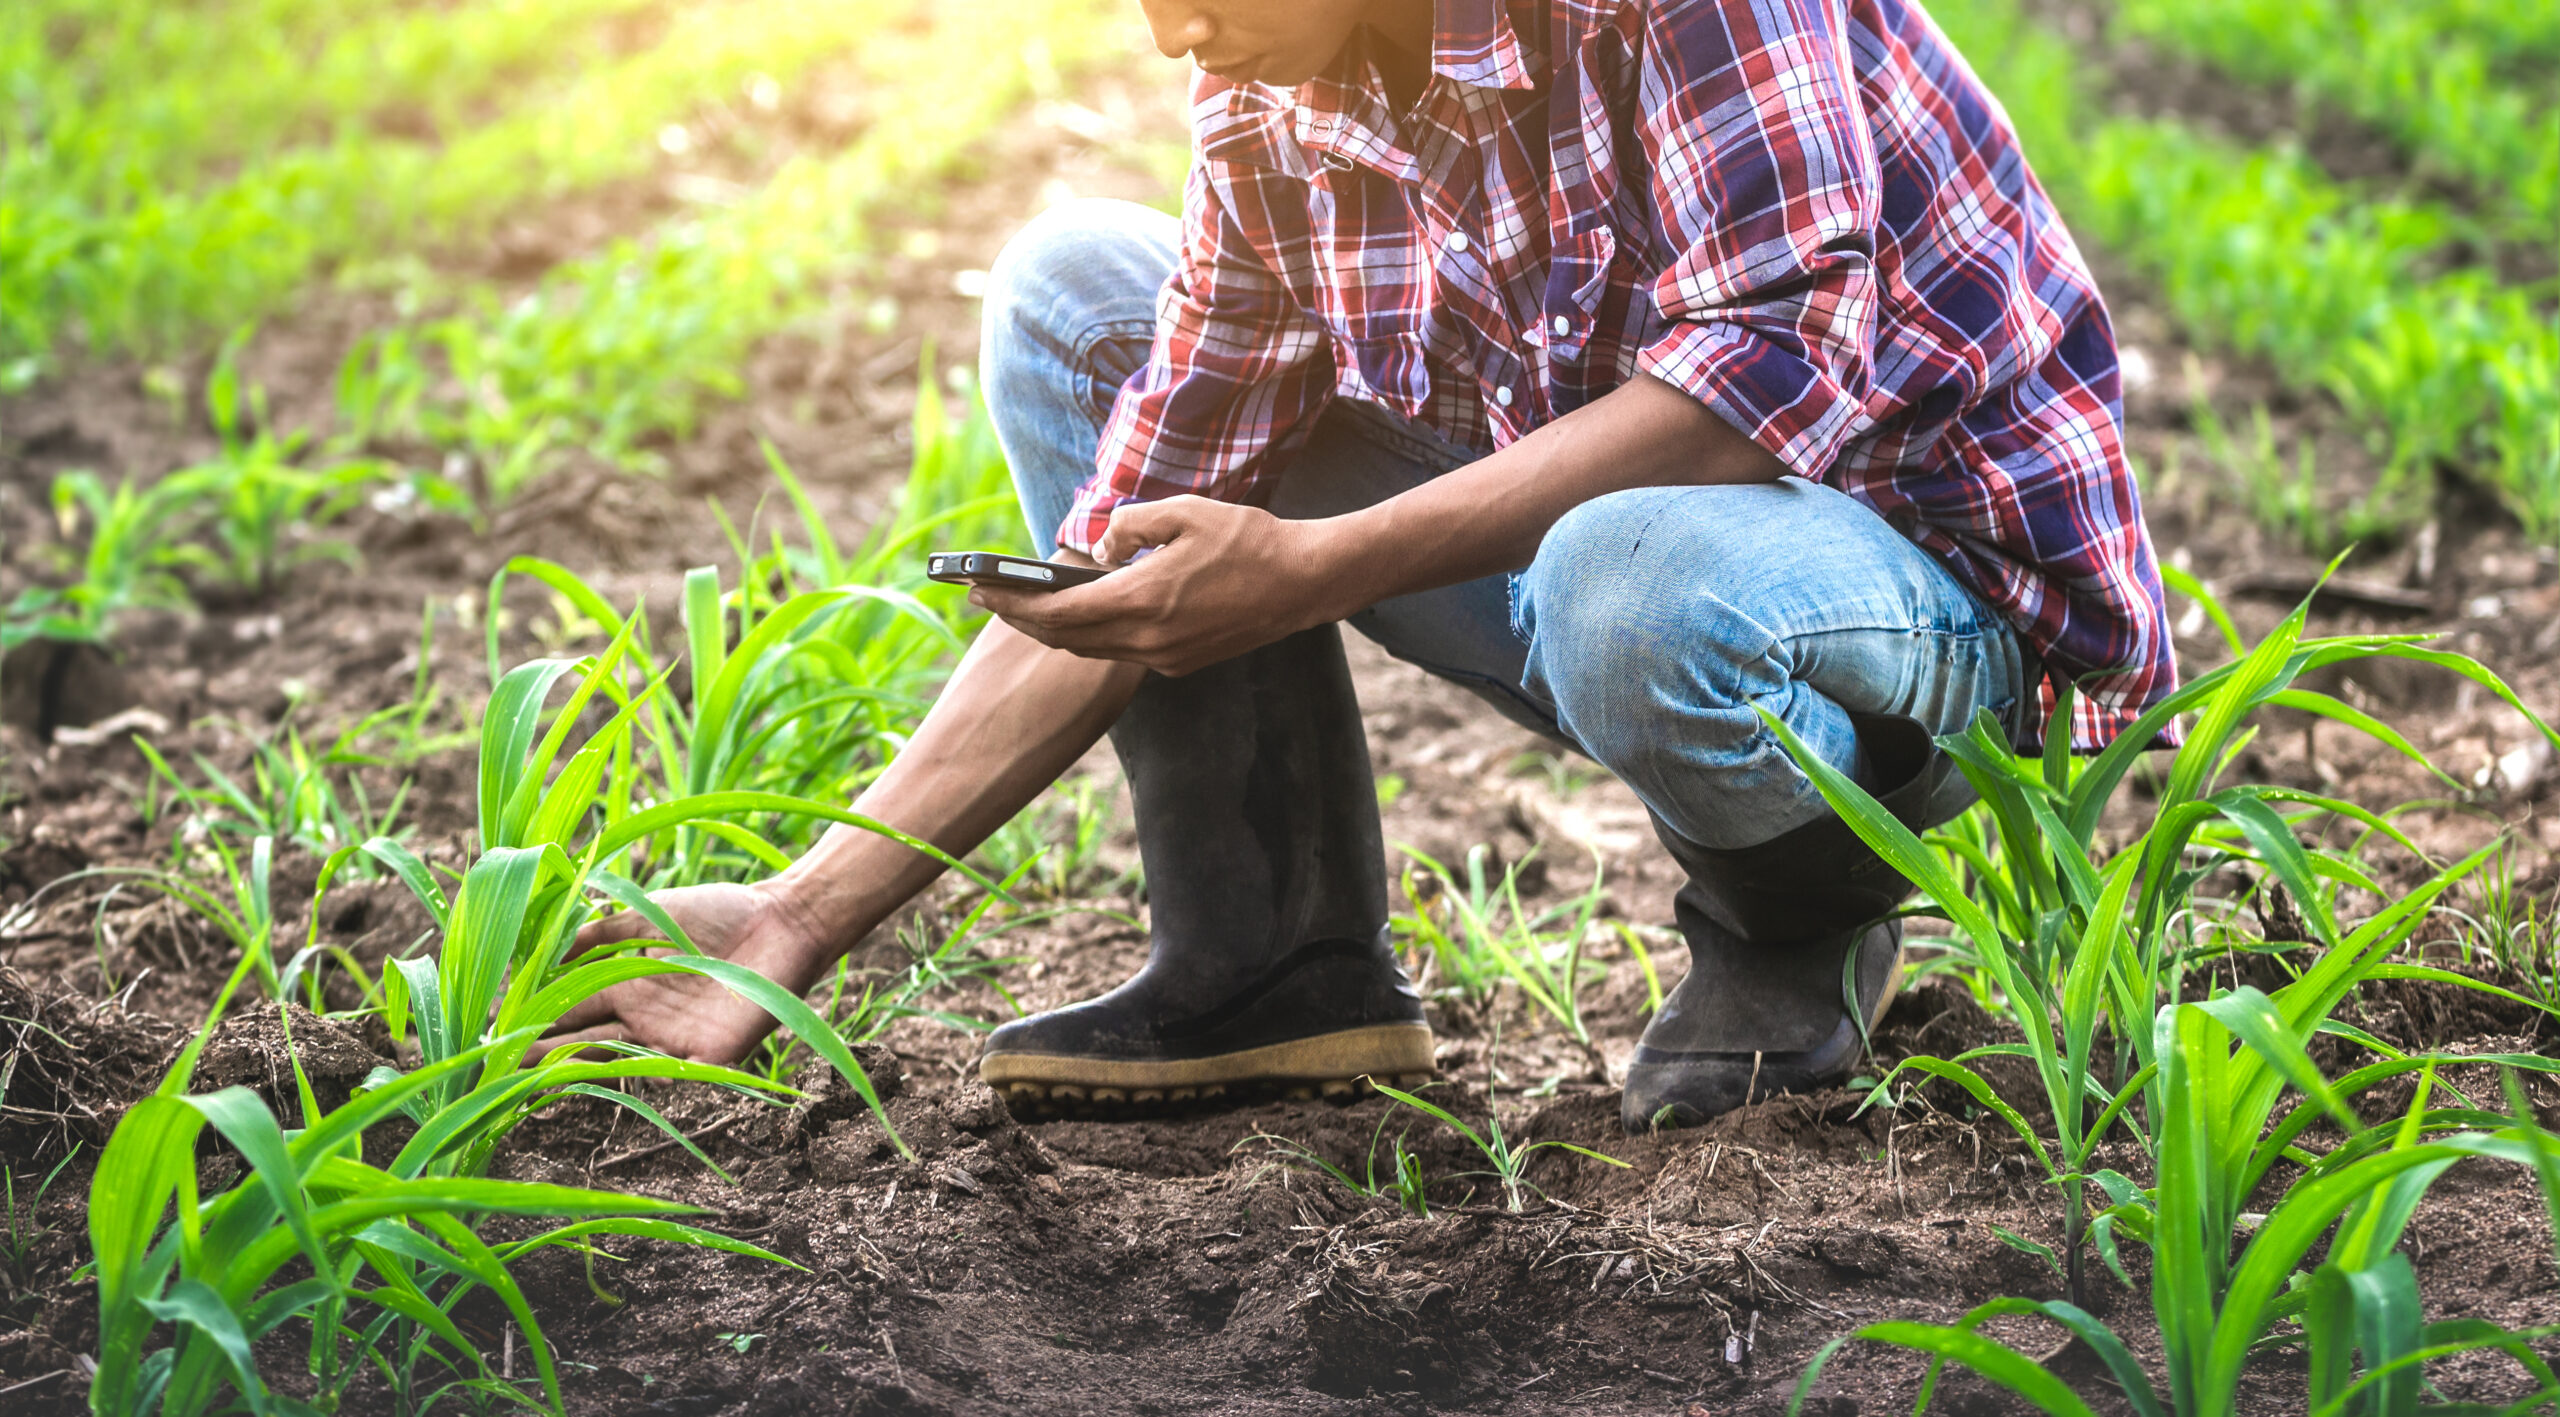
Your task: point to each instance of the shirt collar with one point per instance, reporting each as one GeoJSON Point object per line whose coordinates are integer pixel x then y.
{"type": "Point", "coordinates": [1473, 43]}
{"type": "Point", "coordinates": [1344, 111]}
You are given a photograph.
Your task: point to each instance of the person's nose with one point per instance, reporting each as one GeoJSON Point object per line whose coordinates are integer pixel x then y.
{"type": "Point", "coordinates": [1178, 27]}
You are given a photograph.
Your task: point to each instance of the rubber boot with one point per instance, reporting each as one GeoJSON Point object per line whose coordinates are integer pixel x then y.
{"type": "Point", "coordinates": [1781, 937]}
{"type": "Point", "coordinates": [1270, 967]}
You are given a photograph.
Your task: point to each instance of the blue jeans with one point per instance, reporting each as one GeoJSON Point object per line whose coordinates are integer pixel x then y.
{"type": "Point", "coordinates": [1646, 631]}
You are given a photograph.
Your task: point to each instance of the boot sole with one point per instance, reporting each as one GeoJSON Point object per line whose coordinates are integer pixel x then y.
{"type": "Point", "coordinates": [1328, 1065]}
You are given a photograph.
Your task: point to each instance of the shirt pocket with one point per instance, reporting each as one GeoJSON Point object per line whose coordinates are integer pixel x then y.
{"type": "Point", "coordinates": [1396, 370]}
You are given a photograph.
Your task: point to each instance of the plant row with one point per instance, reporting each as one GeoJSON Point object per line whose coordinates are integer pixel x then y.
{"type": "Point", "coordinates": [110, 253]}
{"type": "Point", "coordinates": [2184, 1118]}
{"type": "Point", "coordinates": [2184, 1111]}
{"type": "Point", "coordinates": [598, 784]}
{"type": "Point", "coordinates": [613, 349]}
{"type": "Point", "coordinates": [237, 521]}
{"type": "Point", "coordinates": [2262, 253]}
{"type": "Point", "coordinates": [2411, 71]}
{"type": "Point", "coordinates": [156, 92]}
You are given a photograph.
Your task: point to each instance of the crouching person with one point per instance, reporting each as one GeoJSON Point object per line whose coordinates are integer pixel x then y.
{"type": "Point", "coordinates": [1639, 369]}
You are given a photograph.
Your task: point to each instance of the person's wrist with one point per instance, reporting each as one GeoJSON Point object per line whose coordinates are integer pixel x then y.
{"type": "Point", "coordinates": [811, 934]}
{"type": "Point", "coordinates": [1343, 569]}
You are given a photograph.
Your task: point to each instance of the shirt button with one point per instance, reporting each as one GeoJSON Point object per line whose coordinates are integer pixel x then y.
{"type": "Point", "coordinates": [1502, 396]}
{"type": "Point", "coordinates": [1458, 242]}
{"type": "Point", "coordinates": [1563, 326]}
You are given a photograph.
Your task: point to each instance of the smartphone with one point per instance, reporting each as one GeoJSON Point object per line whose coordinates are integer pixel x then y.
{"type": "Point", "coordinates": [994, 568]}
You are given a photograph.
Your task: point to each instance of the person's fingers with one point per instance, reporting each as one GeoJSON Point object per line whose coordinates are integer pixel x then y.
{"type": "Point", "coordinates": [586, 1013]}
{"type": "Point", "coordinates": [1024, 610]}
{"type": "Point", "coordinates": [1140, 526]}
{"type": "Point", "coordinates": [1096, 620]}
{"type": "Point", "coordinates": [570, 1042]}
{"type": "Point", "coordinates": [614, 929]}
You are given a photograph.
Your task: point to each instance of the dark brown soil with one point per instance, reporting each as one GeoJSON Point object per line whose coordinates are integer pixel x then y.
{"type": "Point", "coordinates": [1180, 1264]}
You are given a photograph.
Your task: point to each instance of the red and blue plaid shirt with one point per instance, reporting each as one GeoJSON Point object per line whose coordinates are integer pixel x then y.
{"type": "Point", "coordinates": [1808, 213]}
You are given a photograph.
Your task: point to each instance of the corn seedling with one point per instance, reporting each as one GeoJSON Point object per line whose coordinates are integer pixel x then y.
{"type": "Point", "coordinates": [820, 682]}
{"type": "Point", "coordinates": [26, 1227]}
{"type": "Point", "coordinates": [1506, 1160]}
{"type": "Point", "coordinates": [503, 976]}
{"type": "Point", "coordinates": [549, 839]}
{"type": "Point", "coordinates": [1403, 1182]}
{"type": "Point", "coordinates": [1473, 941]}
{"type": "Point", "coordinates": [2082, 942]}
{"type": "Point", "coordinates": [399, 1243]}
{"type": "Point", "coordinates": [241, 909]}
{"type": "Point", "coordinates": [289, 793]}
{"type": "Point", "coordinates": [2223, 1066]}
{"type": "Point", "coordinates": [257, 504]}
{"type": "Point", "coordinates": [241, 520]}
{"type": "Point", "coordinates": [134, 551]}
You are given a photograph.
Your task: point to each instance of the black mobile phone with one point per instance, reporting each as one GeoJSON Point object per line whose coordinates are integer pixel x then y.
{"type": "Point", "coordinates": [994, 568]}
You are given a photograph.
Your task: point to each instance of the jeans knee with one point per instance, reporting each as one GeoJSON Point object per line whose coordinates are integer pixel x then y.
{"type": "Point", "coordinates": [1052, 277]}
{"type": "Point", "coordinates": [1611, 632]}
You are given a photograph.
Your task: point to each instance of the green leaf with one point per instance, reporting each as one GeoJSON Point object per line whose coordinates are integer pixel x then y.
{"type": "Point", "coordinates": [804, 1023]}
{"type": "Point", "coordinates": [1995, 1361]}
{"type": "Point", "coordinates": [654, 1118]}
{"type": "Point", "coordinates": [193, 1304]}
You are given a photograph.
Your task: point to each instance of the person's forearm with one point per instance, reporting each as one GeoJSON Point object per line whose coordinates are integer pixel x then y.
{"type": "Point", "coordinates": [1014, 716]}
{"type": "Point", "coordinates": [1490, 515]}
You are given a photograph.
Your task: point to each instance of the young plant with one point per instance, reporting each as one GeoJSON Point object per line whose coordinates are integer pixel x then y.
{"type": "Point", "coordinates": [1505, 1159]}
{"type": "Point", "coordinates": [399, 1243]}
{"type": "Point", "coordinates": [289, 794]}
{"type": "Point", "coordinates": [2512, 931]}
{"type": "Point", "coordinates": [818, 686]}
{"type": "Point", "coordinates": [135, 548]}
{"type": "Point", "coordinates": [1404, 1180]}
{"type": "Point", "coordinates": [2224, 1063]}
{"type": "Point", "coordinates": [239, 904]}
{"type": "Point", "coordinates": [503, 977]}
{"type": "Point", "coordinates": [26, 1227]}
{"type": "Point", "coordinates": [259, 503]}
{"type": "Point", "coordinates": [2084, 943]}
{"type": "Point", "coordinates": [1480, 938]}
{"type": "Point", "coordinates": [549, 843]}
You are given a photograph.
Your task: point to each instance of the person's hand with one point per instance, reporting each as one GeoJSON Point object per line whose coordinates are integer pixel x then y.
{"type": "Point", "coordinates": [687, 1015]}
{"type": "Point", "coordinates": [1220, 580]}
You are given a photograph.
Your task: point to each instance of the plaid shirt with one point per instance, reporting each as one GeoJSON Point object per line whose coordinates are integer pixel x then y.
{"type": "Point", "coordinates": [1808, 213]}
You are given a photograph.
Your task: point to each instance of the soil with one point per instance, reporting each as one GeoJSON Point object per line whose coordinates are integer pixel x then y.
{"type": "Point", "coordinates": [1179, 1264]}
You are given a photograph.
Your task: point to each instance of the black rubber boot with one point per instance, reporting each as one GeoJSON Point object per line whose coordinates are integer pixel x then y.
{"type": "Point", "coordinates": [1271, 966]}
{"type": "Point", "coordinates": [1773, 931]}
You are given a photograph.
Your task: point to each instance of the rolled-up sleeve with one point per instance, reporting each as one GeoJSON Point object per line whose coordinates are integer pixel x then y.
{"type": "Point", "coordinates": [1238, 373]}
{"type": "Point", "coordinates": [1766, 187]}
